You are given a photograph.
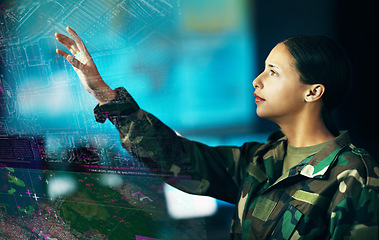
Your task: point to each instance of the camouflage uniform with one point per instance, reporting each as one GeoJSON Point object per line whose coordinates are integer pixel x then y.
{"type": "Point", "coordinates": [332, 194]}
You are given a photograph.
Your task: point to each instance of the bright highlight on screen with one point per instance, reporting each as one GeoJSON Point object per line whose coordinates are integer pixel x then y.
{"type": "Point", "coordinates": [182, 205]}
{"type": "Point", "coordinates": [61, 186]}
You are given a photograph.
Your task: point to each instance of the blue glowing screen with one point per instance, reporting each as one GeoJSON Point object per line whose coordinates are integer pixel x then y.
{"type": "Point", "coordinates": [188, 62]}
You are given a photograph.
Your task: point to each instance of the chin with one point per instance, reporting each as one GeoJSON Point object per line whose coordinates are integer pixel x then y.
{"type": "Point", "coordinates": [266, 115]}
{"type": "Point", "coordinates": [262, 114]}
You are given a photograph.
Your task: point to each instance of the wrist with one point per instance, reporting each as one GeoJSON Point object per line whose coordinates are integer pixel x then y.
{"type": "Point", "coordinates": [122, 105]}
{"type": "Point", "coordinates": [104, 95]}
{"type": "Point", "coordinates": [102, 92]}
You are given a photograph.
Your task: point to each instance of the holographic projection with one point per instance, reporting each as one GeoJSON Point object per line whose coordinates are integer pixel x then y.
{"type": "Point", "coordinates": [65, 205]}
{"type": "Point", "coordinates": [65, 176]}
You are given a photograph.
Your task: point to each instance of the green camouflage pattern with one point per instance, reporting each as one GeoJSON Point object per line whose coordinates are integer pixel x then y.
{"type": "Point", "coordinates": [332, 194]}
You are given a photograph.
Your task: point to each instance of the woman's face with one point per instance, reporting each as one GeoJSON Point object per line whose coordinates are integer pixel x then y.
{"type": "Point", "coordinates": [279, 92]}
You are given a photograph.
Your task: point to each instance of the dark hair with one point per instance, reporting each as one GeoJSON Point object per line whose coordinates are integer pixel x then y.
{"type": "Point", "coordinates": [319, 59]}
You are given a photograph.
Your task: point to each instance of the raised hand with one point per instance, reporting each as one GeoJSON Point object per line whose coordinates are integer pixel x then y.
{"type": "Point", "coordinates": [84, 66]}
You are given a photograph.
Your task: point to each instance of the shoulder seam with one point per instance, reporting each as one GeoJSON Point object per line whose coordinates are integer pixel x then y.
{"type": "Point", "coordinates": [363, 154]}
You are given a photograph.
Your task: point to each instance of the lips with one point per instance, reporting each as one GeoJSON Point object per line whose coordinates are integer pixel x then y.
{"type": "Point", "coordinates": [258, 98]}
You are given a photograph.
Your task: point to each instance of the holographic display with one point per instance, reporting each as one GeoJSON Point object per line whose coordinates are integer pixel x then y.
{"type": "Point", "coordinates": [65, 176]}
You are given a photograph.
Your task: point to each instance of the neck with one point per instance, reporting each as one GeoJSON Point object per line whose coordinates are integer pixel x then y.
{"type": "Point", "coordinates": [306, 131]}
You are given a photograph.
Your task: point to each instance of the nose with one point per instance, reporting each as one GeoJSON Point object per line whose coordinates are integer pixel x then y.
{"type": "Point", "coordinates": [257, 83]}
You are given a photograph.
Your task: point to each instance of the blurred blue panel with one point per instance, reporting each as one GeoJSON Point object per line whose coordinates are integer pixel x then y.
{"type": "Point", "coordinates": [177, 59]}
{"type": "Point", "coordinates": [189, 62]}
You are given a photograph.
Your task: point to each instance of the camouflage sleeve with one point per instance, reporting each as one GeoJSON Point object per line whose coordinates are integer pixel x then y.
{"type": "Point", "coordinates": [356, 217]}
{"type": "Point", "coordinates": [193, 167]}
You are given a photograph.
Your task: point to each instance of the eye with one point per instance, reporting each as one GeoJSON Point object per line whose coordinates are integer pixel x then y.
{"type": "Point", "coordinates": [273, 73]}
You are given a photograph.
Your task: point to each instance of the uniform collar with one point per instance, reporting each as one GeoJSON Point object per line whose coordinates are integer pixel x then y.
{"type": "Point", "coordinates": [319, 164]}
{"type": "Point", "coordinates": [272, 154]}
{"type": "Point", "coordinates": [315, 166]}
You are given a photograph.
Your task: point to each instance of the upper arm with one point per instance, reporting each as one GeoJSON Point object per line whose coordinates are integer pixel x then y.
{"type": "Point", "coordinates": [224, 168]}
{"type": "Point", "coordinates": [356, 217]}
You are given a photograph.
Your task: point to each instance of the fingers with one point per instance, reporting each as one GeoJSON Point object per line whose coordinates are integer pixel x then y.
{"type": "Point", "coordinates": [62, 53]}
{"type": "Point", "coordinates": [74, 45]}
{"type": "Point", "coordinates": [67, 42]}
{"type": "Point", "coordinates": [73, 61]}
{"type": "Point", "coordinates": [77, 39]}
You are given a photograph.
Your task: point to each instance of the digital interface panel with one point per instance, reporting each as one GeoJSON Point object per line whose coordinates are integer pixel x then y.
{"type": "Point", "coordinates": [65, 176]}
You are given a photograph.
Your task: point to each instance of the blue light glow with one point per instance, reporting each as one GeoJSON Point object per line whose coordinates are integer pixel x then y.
{"type": "Point", "coordinates": [186, 67]}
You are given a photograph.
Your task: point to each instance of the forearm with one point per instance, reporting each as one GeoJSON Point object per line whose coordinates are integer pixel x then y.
{"type": "Point", "coordinates": [84, 66]}
{"type": "Point", "coordinates": [189, 165]}
{"type": "Point", "coordinates": [142, 135]}
{"type": "Point", "coordinates": [102, 92]}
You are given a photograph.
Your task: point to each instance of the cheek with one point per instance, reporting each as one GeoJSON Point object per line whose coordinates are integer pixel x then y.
{"type": "Point", "coordinates": [280, 100]}
{"type": "Point", "coordinates": [286, 96]}
{"type": "Point", "coordinates": [282, 92]}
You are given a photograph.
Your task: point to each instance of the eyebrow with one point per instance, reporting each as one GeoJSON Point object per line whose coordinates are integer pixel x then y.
{"type": "Point", "coordinates": [273, 66]}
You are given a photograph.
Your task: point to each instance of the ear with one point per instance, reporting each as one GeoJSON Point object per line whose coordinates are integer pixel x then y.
{"type": "Point", "coordinates": [314, 92]}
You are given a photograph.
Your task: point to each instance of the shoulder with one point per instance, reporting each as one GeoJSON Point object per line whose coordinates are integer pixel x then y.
{"type": "Point", "coordinates": [274, 146]}
{"type": "Point", "coordinates": [357, 162]}
{"type": "Point", "coordinates": [355, 206]}
{"type": "Point", "coordinates": [275, 136]}
{"type": "Point", "coordinates": [353, 173]}
{"type": "Point", "coordinates": [259, 148]}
